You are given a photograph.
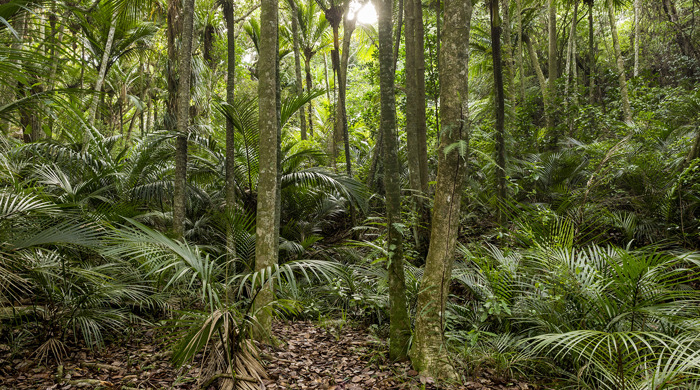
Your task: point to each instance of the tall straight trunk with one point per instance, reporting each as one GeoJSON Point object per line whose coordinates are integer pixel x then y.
{"type": "Point", "coordinates": [183, 119]}
{"type": "Point", "coordinates": [297, 64]}
{"type": "Point", "coordinates": [624, 96]}
{"type": "Point", "coordinates": [334, 16]}
{"type": "Point", "coordinates": [307, 70]}
{"type": "Point", "coordinates": [267, 220]}
{"type": "Point", "coordinates": [637, 14]}
{"type": "Point", "coordinates": [540, 76]}
{"type": "Point", "coordinates": [397, 32]}
{"type": "Point", "coordinates": [416, 130]}
{"type": "Point", "coordinates": [103, 70]}
{"type": "Point", "coordinates": [496, 31]}
{"type": "Point", "coordinates": [521, 65]}
{"type": "Point", "coordinates": [229, 16]}
{"type": "Point", "coordinates": [571, 56]}
{"type": "Point", "coordinates": [341, 114]}
{"type": "Point", "coordinates": [28, 118]}
{"type": "Point", "coordinates": [591, 54]}
{"type": "Point", "coordinates": [429, 352]}
{"type": "Point", "coordinates": [507, 52]}
{"type": "Point", "coordinates": [552, 62]}
{"type": "Point", "coordinates": [400, 324]}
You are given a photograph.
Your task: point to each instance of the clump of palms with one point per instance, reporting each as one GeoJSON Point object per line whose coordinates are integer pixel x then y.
{"type": "Point", "coordinates": [607, 317]}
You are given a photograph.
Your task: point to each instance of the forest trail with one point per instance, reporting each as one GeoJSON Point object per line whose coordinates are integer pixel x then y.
{"type": "Point", "coordinates": [332, 357]}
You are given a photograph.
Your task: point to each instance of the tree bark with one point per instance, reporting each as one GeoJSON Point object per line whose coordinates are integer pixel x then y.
{"type": "Point", "coordinates": [341, 114]}
{"type": "Point", "coordinates": [552, 64]}
{"type": "Point", "coordinates": [570, 56]}
{"type": "Point", "coordinates": [507, 53]}
{"type": "Point", "coordinates": [637, 14]}
{"type": "Point", "coordinates": [307, 70]}
{"type": "Point", "coordinates": [400, 325]}
{"type": "Point", "coordinates": [103, 71]}
{"type": "Point", "coordinates": [183, 119]}
{"type": "Point", "coordinates": [416, 130]}
{"type": "Point", "coordinates": [591, 55]}
{"type": "Point", "coordinates": [229, 16]}
{"type": "Point", "coordinates": [624, 96]}
{"type": "Point", "coordinates": [297, 64]}
{"type": "Point", "coordinates": [267, 222]}
{"type": "Point", "coordinates": [540, 76]}
{"type": "Point", "coordinates": [521, 66]}
{"type": "Point", "coordinates": [429, 352]}
{"type": "Point", "coordinates": [496, 31]}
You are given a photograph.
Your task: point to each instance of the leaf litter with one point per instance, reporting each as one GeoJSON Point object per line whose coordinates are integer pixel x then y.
{"type": "Point", "coordinates": [306, 357]}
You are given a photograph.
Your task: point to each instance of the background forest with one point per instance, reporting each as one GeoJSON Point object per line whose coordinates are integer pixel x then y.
{"type": "Point", "coordinates": [502, 185]}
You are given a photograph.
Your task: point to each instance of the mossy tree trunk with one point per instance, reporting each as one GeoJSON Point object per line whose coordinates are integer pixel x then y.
{"type": "Point", "coordinates": [183, 119]}
{"type": "Point", "coordinates": [496, 32]}
{"type": "Point", "coordinates": [622, 79]}
{"type": "Point", "coordinates": [267, 222]}
{"type": "Point", "coordinates": [400, 326]}
{"type": "Point", "coordinates": [416, 130]}
{"type": "Point", "coordinates": [429, 354]}
{"type": "Point", "coordinates": [229, 17]}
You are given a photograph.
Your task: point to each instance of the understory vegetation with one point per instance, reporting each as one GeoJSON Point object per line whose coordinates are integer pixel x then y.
{"type": "Point", "coordinates": [576, 262]}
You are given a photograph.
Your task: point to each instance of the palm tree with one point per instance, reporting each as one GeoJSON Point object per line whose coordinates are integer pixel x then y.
{"type": "Point", "coordinates": [314, 36]}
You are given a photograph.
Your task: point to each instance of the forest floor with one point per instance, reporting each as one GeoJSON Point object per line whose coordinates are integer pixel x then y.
{"type": "Point", "coordinates": [308, 357]}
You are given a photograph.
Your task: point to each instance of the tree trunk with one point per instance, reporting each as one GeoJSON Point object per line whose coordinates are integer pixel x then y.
{"type": "Point", "coordinates": [229, 16]}
{"type": "Point", "coordinates": [307, 70]}
{"type": "Point", "coordinates": [637, 14]}
{"type": "Point", "coordinates": [183, 119]}
{"type": "Point", "coordinates": [507, 52]}
{"type": "Point", "coordinates": [496, 30]}
{"type": "Point", "coordinates": [341, 114]}
{"type": "Point", "coordinates": [429, 353]}
{"type": "Point", "coordinates": [540, 76]}
{"type": "Point", "coordinates": [591, 55]}
{"type": "Point", "coordinates": [416, 131]}
{"type": "Point", "coordinates": [552, 62]}
{"type": "Point", "coordinates": [267, 232]}
{"type": "Point", "coordinates": [297, 64]}
{"type": "Point", "coordinates": [570, 56]}
{"type": "Point", "coordinates": [624, 96]}
{"type": "Point", "coordinates": [521, 66]}
{"type": "Point", "coordinates": [103, 71]}
{"type": "Point", "coordinates": [400, 326]}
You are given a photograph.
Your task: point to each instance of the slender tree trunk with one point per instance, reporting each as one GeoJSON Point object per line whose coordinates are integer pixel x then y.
{"type": "Point", "coordinates": [637, 14]}
{"type": "Point", "coordinates": [521, 66]}
{"type": "Point", "coordinates": [416, 130]}
{"type": "Point", "coordinates": [624, 96]}
{"type": "Point", "coordinates": [103, 71]}
{"type": "Point", "coordinates": [229, 16]}
{"type": "Point", "coordinates": [496, 30]}
{"type": "Point", "coordinates": [397, 32]}
{"type": "Point", "coordinates": [507, 52]}
{"type": "Point", "coordinates": [297, 64]}
{"type": "Point", "coordinates": [591, 55]}
{"type": "Point", "coordinates": [400, 326]}
{"type": "Point", "coordinates": [429, 352]}
{"type": "Point", "coordinates": [540, 76]}
{"type": "Point", "coordinates": [267, 231]}
{"type": "Point", "coordinates": [552, 62]}
{"type": "Point", "coordinates": [334, 16]}
{"type": "Point", "coordinates": [183, 119]}
{"type": "Point", "coordinates": [570, 56]}
{"type": "Point", "coordinates": [307, 70]}
{"type": "Point", "coordinates": [341, 115]}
